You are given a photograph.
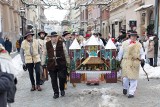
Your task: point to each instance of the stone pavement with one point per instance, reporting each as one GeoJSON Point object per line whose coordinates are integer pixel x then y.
{"type": "Point", "coordinates": [147, 95]}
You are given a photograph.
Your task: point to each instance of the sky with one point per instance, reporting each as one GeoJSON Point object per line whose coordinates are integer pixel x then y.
{"type": "Point", "coordinates": [55, 14]}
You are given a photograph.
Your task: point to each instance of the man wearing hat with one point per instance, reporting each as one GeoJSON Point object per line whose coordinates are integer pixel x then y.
{"type": "Point", "coordinates": [30, 56]}
{"type": "Point", "coordinates": [57, 61]}
{"type": "Point", "coordinates": [42, 42]}
{"type": "Point", "coordinates": [131, 55]}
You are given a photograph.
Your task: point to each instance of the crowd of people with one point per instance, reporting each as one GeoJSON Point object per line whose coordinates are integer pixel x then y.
{"type": "Point", "coordinates": [50, 52]}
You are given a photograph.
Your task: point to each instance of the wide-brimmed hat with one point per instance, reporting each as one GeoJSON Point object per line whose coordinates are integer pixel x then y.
{"type": "Point", "coordinates": [42, 32]}
{"type": "Point", "coordinates": [133, 33]}
{"type": "Point", "coordinates": [65, 33]}
{"type": "Point", "coordinates": [27, 34]}
{"type": "Point", "coordinates": [53, 34]}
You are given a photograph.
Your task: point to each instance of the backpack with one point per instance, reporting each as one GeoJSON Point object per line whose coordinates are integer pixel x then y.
{"type": "Point", "coordinates": [11, 93]}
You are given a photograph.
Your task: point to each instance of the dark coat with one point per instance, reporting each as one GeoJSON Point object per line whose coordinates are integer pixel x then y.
{"type": "Point", "coordinates": [2, 41]}
{"type": "Point", "coordinates": [8, 46]}
{"type": "Point", "coordinates": [5, 85]}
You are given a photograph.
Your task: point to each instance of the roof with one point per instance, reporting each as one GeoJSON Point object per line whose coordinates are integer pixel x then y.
{"type": "Point", "coordinates": [93, 60]}
{"type": "Point", "coordinates": [92, 41]}
{"type": "Point", "coordinates": [75, 45]}
{"type": "Point", "coordinates": [110, 45]}
{"type": "Point", "coordinates": [143, 7]}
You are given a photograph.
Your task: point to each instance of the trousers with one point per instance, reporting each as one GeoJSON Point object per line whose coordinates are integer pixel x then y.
{"type": "Point", "coordinates": [31, 67]}
{"type": "Point", "coordinates": [132, 87]}
{"type": "Point", "coordinates": [54, 74]}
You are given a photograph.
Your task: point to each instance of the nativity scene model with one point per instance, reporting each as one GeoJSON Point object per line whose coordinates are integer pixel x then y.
{"type": "Point", "coordinates": [93, 63]}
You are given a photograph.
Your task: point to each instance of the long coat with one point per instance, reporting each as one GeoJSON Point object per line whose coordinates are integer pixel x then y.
{"type": "Point", "coordinates": [131, 60]}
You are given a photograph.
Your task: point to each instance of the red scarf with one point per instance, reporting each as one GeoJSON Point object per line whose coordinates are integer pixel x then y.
{"type": "Point", "coordinates": [132, 42]}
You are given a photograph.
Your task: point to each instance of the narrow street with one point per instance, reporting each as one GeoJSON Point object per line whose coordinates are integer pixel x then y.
{"type": "Point", "coordinates": [104, 95]}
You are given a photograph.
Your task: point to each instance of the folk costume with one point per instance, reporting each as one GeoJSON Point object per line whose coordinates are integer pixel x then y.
{"type": "Point", "coordinates": [42, 42]}
{"type": "Point", "coordinates": [131, 54]}
{"type": "Point", "coordinates": [30, 56]}
{"type": "Point", "coordinates": [56, 65]}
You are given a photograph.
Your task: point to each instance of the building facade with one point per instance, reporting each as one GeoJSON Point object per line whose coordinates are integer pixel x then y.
{"type": "Point", "coordinates": [11, 22]}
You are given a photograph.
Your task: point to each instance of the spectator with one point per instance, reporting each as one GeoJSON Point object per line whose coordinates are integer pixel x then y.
{"type": "Point", "coordinates": [1, 39]}
{"type": "Point", "coordinates": [100, 36]}
{"type": "Point", "coordinates": [5, 85]}
{"type": "Point", "coordinates": [18, 46]}
{"type": "Point", "coordinates": [150, 52]}
{"type": "Point", "coordinates": [8, 45]}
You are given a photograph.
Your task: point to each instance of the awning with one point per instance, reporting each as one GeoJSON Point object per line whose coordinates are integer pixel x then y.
{"type": "Point", "coordinates": [143, 7]}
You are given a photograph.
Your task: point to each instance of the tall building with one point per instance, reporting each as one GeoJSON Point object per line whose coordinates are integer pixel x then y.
{"type": "Point", "coordinates": [11, 21]}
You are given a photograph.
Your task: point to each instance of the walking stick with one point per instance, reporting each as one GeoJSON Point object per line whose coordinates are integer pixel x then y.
{"type": "Point", "coordinates": [145, 73]}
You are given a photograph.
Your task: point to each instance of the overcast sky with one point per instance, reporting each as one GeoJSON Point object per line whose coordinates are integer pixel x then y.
{"type": "Point", "coordinates": [55, 14]}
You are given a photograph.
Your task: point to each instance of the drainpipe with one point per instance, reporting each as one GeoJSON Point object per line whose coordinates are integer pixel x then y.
{"type": "Point", "coordinates": [156, 28]}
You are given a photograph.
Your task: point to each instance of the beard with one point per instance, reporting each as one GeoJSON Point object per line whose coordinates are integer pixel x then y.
{"type": "Point", "coordinates": [42, 38]}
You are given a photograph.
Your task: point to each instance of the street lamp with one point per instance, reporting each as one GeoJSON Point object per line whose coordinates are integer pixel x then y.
{"type": "Point", "coordinates": [22, 14]}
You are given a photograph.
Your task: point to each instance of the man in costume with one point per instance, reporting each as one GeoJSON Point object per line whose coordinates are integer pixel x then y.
{"type": "Point", "coordinates": [57, 61]}
{"type": "Point", "coordinates": [42, 42]}
{"type": "Point", "coordinates": [30, 55]}
{"type": "Point", "coordinates": [131, 55]}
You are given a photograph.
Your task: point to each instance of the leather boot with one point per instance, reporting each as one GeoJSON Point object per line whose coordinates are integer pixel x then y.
{"type": "Point", "coordinates": [62, 93]}
{"type": "Point", "coordinates": [33, 88]}
{"type": "Point", "coordinates": [39, 88]}
{"type": "Point", "coordinates": [56, 96]}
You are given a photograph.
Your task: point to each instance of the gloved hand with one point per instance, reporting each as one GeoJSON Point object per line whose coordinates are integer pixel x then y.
{"type": "Point", "coordinates": [142, 63]}
{"type": "Point", "coordinates": [24, 67]}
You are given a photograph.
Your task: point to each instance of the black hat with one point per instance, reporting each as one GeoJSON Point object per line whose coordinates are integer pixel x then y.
{"type": "Point", "coordinates": [53, 34]}
{"type": "Point", "coordinates": [65, 33]}
{"type": "Point", "coordinates": [133, 33]}
{"type": "Point", "coordinates": [42, 32]}
{"type": "Point", "coordinates": [27, 34]}
{"type": "Point", "coordinates": [123, 31]}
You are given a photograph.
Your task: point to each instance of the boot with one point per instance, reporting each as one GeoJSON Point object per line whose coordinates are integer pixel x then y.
{"type": "Point", "coordinates": [55, 96]}
{"type": "Point", "coordinates": [39, 88]}
{"type": "Point", "coordinates": [74, 85]}
{"type": "Point", "coordinates": [124, 91]}
{"type": "Point", "coordinates": [130, 96]}
{"type": "Point", "coordinates": [62, 93]}
{"type": "Point", "coordinates": [33, 88]}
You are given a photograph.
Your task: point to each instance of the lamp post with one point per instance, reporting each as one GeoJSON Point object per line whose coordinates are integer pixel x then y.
{"type": "Point", "coordinates": [22, 14]}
